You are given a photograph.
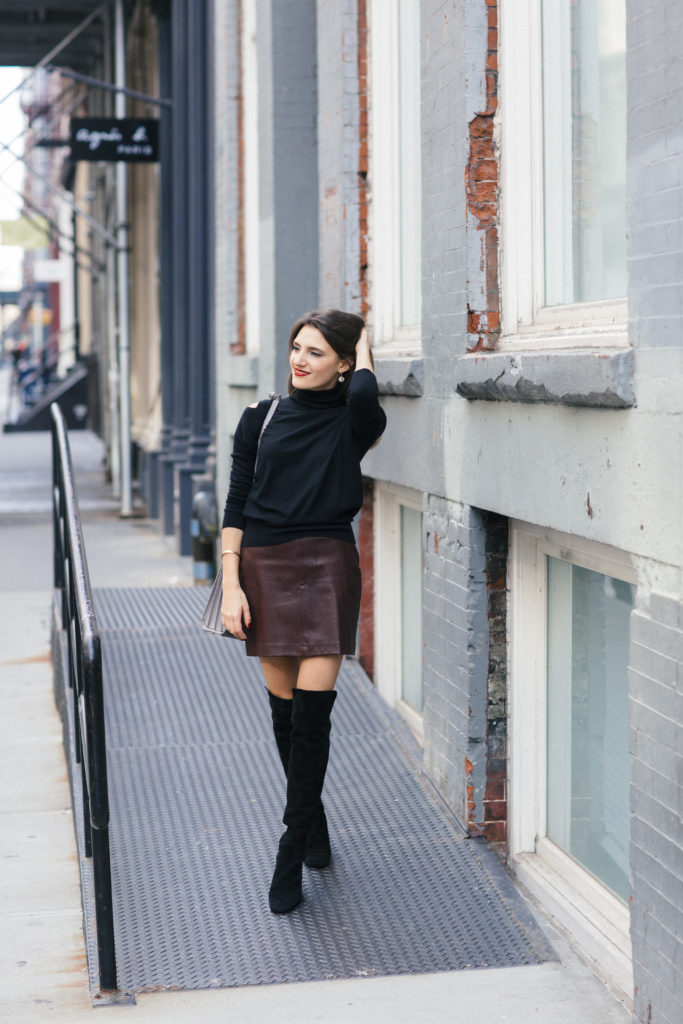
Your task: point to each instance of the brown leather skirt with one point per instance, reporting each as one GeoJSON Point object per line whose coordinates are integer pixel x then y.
{"type": "Point", "coordinates": [304, 597]}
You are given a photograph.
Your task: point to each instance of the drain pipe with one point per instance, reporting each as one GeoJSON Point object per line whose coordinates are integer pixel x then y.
{"type": "Point", "coordinates": [122, 275]}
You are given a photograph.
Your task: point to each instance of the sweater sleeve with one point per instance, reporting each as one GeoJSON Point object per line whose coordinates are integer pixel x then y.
{"type": "Point", "coordinates": [244, 450]}
{"type": "Point", "coordinates": [367, 416]}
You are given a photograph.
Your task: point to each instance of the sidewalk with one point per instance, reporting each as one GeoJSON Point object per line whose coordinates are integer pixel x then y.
{"type": "Point", "coordinates": [44, 973]}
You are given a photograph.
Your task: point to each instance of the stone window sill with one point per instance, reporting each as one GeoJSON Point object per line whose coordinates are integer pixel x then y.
{"type": "Point", "coordinates": [400, 376]}
{"type": "Point", "coordinates": [599, 378]}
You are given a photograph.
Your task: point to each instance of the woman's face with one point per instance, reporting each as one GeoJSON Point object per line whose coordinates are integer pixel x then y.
{"type": "Point", "coordinates": [314, 364]}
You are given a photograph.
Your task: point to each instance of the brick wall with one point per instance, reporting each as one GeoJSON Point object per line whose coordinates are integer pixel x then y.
{"type": "Point", "coordinates": [456, 655]}
{"type": "Point", "coordinates": [338, 154]}
{"type": "Point", "coordinates": [654, 182]}
{"type": "Point", "coordinates": [494, 824]}
{"type": "Point", "coordinates": [481, 176]}
{"type": "Point", "coordinates": [655, 262]}
{"type": "Point", "coordinates": [465, 662]}
{"type": "Point", "coordinates": [444, 157]}
{"type": "Point", "coordinates": [656, 739]}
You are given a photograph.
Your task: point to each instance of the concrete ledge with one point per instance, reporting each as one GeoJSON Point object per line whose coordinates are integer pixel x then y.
{"type": "Point", "coordinates": [600, 378]}
{"type": "Point", "coordinates": [400, 376]}
{"type": "Point", "coordinates": [241, 371]}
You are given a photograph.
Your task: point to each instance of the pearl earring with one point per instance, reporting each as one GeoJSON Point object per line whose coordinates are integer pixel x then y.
{"type": "Point", "coordinates": [341, 378]}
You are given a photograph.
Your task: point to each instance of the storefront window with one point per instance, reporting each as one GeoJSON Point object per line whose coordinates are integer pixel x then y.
{"type": "Point", "coordinates": [395, 174]}
{"type": "Point", "coordinates": [584, 149]}
{"type": "Point", "coordinates": [588, 762]}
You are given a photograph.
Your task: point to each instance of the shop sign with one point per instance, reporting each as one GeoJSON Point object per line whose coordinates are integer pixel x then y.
{"type": "Point", "coordinates": [130, 139]}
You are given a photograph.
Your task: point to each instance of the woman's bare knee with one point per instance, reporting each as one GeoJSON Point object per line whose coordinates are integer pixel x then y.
{"type": "Point", "coordinates": [281, 675]}
{"type": "Point", "coordinates": [319, 673]}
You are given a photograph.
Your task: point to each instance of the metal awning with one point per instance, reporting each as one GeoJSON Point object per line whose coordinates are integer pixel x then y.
{"type": "Point", "coordinates": [29, 30]}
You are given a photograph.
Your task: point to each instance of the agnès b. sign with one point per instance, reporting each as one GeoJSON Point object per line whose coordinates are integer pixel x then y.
{"type": "Point", "coordinates": [132, 139]}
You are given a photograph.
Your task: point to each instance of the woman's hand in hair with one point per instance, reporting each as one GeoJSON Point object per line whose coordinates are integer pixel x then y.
{"type": "Point", "coordinates": [364, 359]}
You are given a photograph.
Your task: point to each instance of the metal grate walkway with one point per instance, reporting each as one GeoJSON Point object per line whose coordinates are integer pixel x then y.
{"type": "Point", "coordinates": [197, 795]}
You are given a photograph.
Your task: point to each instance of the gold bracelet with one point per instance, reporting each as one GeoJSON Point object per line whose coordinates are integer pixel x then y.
{"type": "Point", "coordinates": [229, 552]}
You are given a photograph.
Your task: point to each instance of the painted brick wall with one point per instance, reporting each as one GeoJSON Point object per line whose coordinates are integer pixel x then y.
{"type": "Point", "coordinates": [654, 181]}
{"type": "Point", "coordinates": [456, 639]}
{"type": "Point", "coordinates": [338, 154]}
{"type": "Point", "coordinates": [656, 739]}
{"type": "Point", "coordinates": [655, 263]}
{"type": "Point", "coordinates": [444, 158]}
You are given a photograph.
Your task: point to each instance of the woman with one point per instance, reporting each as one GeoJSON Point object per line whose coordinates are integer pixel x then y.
{"type": "Point", "coordinates": [291, 579]}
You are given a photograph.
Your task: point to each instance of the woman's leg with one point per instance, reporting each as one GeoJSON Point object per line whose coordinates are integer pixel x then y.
{"type": "Point", "coordinates": [312, 702]}
{"type": "Point", "coordinates": [318, 673]}
{"type": "Point", "coordinates": [281, 675]}
{"type": "Point", "coordinates": [284, 673]}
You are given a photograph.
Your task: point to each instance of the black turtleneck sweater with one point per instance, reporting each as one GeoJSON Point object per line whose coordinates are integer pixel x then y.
{"type": "Point", "coordinates": [308, 481]}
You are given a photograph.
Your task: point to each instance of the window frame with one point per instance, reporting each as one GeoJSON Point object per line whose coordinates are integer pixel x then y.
{"type": "Point", "coordinates": [595, 917]}
{"type": "Point", "coordinates": [390, 337]}
{"type": "Point", "coordinates": [388, 640]}
{"type": "Point", "coordinates": [526, 322]}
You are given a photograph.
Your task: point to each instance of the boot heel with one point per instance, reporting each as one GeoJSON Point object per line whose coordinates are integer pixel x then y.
{"type": "Point", "coordinates": [285, 889]}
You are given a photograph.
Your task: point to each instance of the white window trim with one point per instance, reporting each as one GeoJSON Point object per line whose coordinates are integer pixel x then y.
{"type": "Point", "coordinates": [387, 547]}
{"type": "Point", "coordinates": [390, 339]}
{"type": "Point", "coordinates": [526, 322]}
{"type": "Point", "coordinates": [596, 919]}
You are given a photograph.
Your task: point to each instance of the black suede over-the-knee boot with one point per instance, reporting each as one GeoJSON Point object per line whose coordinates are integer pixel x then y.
{"type": "Point", "coordinates": [318, 853]}
{"type": "Point", "coordinates": [308, 756]}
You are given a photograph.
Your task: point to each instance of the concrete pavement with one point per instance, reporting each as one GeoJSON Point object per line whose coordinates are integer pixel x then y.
{"type": "Point", "coordinates": [43, 974]}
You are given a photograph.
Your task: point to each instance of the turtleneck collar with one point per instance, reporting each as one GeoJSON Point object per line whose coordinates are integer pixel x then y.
{"type": "Point", "coordinates": [317, 399]}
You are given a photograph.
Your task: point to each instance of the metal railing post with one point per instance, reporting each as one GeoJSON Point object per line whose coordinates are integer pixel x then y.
{"type": "Point", "coordinates": [85, 677]}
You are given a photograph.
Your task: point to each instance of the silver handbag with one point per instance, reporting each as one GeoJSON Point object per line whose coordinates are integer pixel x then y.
{"type": "Point", "coordinates": [211, 619]}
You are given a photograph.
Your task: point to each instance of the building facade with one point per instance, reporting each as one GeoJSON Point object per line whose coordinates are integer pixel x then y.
{"type": "Point", "coordinates": [497, 188]}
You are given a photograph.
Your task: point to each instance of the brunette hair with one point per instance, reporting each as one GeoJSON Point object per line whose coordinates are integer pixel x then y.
{"type": "Point", "coordinates": [340, 330]}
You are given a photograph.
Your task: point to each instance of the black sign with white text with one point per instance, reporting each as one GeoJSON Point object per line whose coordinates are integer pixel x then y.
{"type": "Point", "coordinates": [131, 139]}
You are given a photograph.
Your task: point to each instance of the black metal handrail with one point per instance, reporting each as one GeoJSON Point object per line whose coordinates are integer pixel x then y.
{"type": "Point", "coordinates": [85, 679]}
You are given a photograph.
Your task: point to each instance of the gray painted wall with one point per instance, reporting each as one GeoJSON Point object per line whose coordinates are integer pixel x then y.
{"type": "Point", "coordinates": [655, 255]}
{"type": "Point", "coordinates": [656, 740]}
{"type": "Point", "coordinates": [288, 202]}
{"type": "Point", "coordinates": [456, 648]}
{"type": "Point", "coordinates": [338, 155]}
{"type": "Point", "coordinates": [288, 127]}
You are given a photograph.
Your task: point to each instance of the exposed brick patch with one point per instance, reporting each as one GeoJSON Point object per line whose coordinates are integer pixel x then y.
{"type": "Point", "coordinates": [481, 182]}
{"type": "Point", "coordinates": [494, 824]}
{"type": "Point", "coordinates": [495, 796]}
{"type": "Point", "coordinates": [363, 154]}
{"type": "Point", "coordinates": [366, 631]}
